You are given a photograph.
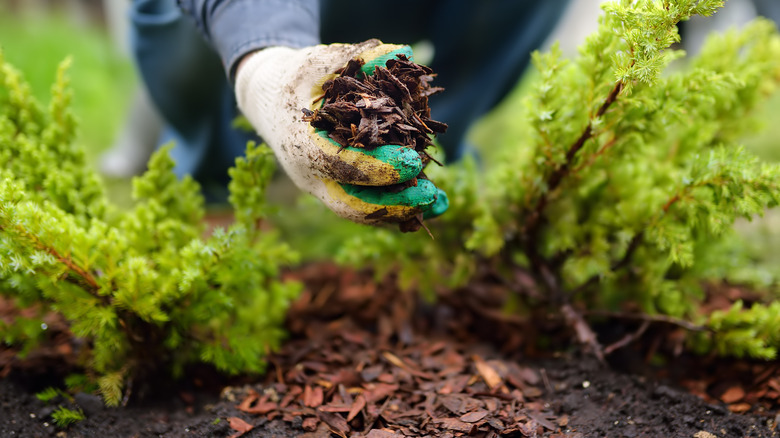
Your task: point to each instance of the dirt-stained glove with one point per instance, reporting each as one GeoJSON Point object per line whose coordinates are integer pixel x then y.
{"type": "Point", "coordinates": [273, 85]}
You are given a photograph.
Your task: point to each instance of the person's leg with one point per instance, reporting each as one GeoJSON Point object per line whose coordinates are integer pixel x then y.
{"type": "Point", "coordinates": [481, 51]}
{"type": "Point", "coordinates": [140, 131]}
{"type": "Point", "coordinates": [187, 83]}
{"type": "Point", "coordinates": [136, 141]}
{"type": "Point", "coordinates": [481, 48]}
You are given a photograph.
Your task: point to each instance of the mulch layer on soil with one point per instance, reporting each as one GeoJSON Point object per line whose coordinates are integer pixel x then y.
{"type": "Point", "coordinates": [365, 360]}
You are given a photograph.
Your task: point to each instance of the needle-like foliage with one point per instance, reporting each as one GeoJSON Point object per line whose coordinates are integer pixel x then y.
{"type": "Point", "coordinates": [142, 289]}
{"type": "Point", "coordinates": [618, 183]}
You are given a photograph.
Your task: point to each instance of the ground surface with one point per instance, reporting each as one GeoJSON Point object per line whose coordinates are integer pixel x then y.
{"type": "Point", "coordinates": [367, 360]}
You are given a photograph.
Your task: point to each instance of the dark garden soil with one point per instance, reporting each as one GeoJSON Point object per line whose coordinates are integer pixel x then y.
{"type": "Point", "coordinates": [365, 360]}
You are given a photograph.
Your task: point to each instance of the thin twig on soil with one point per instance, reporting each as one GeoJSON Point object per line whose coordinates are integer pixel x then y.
{"type": "Point", "coordinates": [665, 319]}
{"type": "Point", "coordinates": [573, 317]}
{"type": "Point", "coordinates": [585, 333]}
{"type": "Point", "coordinates": [627, 339]}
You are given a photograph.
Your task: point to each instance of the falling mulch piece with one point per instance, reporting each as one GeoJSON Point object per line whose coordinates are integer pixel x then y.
{"type": "Point", "coordinates": [389, 107]}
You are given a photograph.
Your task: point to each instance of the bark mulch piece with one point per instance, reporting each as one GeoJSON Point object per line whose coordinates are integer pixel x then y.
{"type": "Point", "coordinates": [388, 107]}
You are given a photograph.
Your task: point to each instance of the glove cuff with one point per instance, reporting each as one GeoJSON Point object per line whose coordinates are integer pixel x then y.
{"type": "Point", "coordinates": [260, 83]}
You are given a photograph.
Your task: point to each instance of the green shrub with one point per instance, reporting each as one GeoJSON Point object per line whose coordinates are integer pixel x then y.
{"type": "Point", "coordinates": [142, 288]}
{"type": "Point", "coordinates": [617, 184]}
{"type": "Point", "coordinates": [64, 417]}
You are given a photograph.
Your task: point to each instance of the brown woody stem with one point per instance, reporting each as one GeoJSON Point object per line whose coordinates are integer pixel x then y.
{"type": "Point", "coordinates": [665, 319]}
{"type": "Point", "coordinates": [540, 267]}
{"type": "Point", "coordinates": [557, 176]}
{"type": "Point", "coordinates": [90, 280]}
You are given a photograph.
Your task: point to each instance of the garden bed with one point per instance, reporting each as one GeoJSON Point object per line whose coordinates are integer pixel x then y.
{"type": "Point", "coordinates": [367, 360]}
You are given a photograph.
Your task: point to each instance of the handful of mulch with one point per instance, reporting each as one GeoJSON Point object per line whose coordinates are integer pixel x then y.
{"type": "Point", "coordinates": [388, 107]}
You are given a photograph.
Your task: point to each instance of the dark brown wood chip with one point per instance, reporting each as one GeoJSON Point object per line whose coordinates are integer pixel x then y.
{"type": "Point", "coordinates": [373, 104]}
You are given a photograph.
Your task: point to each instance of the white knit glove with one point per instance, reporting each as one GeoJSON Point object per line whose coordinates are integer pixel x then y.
{"type": "Point", "coordinates": [273, 85]}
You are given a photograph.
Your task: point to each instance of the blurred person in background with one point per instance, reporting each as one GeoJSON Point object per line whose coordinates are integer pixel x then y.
{"type": "Point", "coordinates": [202, 59]}
{"type": "Point", "coordinates": [141, 131]}
{"type": "Point", "coordinates": [189, 52]}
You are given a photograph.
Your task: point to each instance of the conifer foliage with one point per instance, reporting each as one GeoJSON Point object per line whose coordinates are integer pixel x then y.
{"type": "Point", "coordinates": [142, 288]}
{"type": "Point", "coordinates": [617, 185]}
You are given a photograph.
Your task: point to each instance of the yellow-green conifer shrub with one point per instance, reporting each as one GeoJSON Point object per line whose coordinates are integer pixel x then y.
{"type": "Point", "coordinates": [618, 182]}
{"type": "Point", "coordinates": [142, 288]}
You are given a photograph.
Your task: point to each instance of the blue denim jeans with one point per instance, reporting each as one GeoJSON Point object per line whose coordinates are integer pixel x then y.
{"type": "Point", "coordinates": [481, 50]}
{"type": "Point", "coordinates": [186, 82]}
{"type": "Point", "coordinates": [769, 9]}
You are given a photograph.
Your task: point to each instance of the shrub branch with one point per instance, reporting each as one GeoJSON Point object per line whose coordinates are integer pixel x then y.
{"type": "Point", "coordinates": [557, 176]}
{"type": "Point", "coordinates": [88, 279]}
{"type": "Point", "coordinates": [540, 267]}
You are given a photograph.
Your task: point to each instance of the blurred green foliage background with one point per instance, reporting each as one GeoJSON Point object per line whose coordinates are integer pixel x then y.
{"type": "Point", "coordinates": [102, 79]}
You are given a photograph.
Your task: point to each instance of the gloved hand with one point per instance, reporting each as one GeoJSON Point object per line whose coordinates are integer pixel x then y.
{"type": "Point", "coordinates": [273, 85]}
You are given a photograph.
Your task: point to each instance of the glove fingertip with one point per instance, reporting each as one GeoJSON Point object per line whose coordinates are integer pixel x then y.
{"type": "Point", "coordinates": [422, 195]}
{"type": "Point", "coordinates": [439, 206]}
{"type": "Point", "coordinates": [405, 161]}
